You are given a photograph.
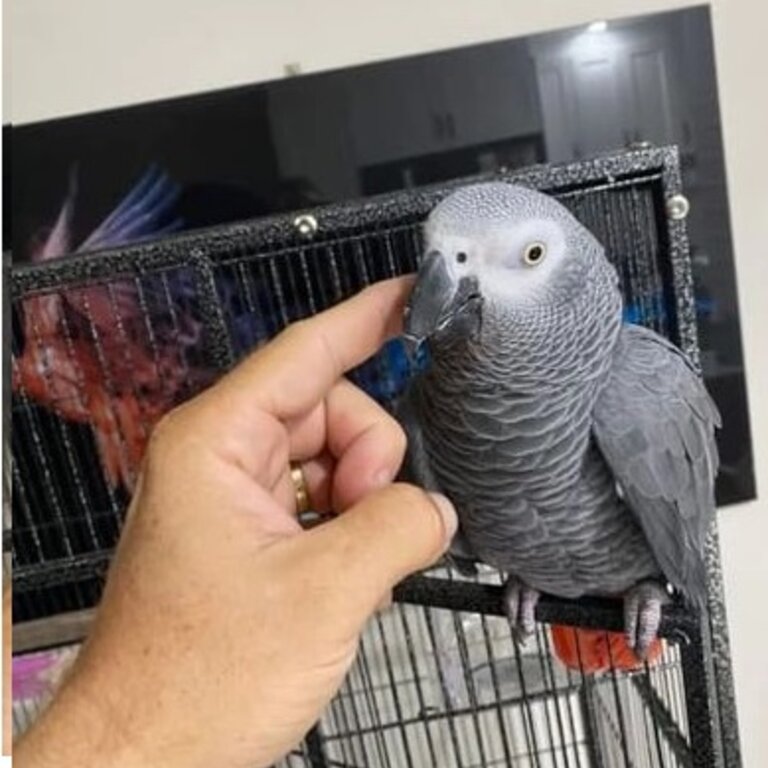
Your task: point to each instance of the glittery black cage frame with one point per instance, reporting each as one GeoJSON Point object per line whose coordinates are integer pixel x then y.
{"type": "Point", "coordinates": [438, 680]}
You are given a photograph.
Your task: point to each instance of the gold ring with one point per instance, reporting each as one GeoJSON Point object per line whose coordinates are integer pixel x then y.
{"type": "Point", "coordinates": [300, 487]}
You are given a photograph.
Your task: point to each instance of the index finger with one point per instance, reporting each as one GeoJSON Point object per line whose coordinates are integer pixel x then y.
{"type": "Point", "coordinates": [293, 372]}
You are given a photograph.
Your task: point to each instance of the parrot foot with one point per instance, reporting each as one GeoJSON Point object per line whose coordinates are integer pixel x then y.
{"type": "Point", "coordinates": [520, 605]}
{"type": "Point", "coordinates": [642, 615]}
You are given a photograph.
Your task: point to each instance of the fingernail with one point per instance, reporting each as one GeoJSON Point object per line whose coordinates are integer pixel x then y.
{"type": "Point", "coordinates": [448, 514]}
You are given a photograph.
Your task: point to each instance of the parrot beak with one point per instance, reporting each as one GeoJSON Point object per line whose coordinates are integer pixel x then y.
{"type": "Point", "coordinates": [436, 303]}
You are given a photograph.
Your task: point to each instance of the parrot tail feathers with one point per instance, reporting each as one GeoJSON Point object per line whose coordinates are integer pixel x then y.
{"type": "Point", "coordinates": [591, 651]}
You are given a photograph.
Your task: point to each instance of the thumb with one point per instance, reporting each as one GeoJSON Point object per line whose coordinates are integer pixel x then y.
{"type": "Point", "coordinates": [383, 538]}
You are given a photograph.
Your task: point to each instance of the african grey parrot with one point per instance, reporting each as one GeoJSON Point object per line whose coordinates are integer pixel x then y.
{"type": "Point", "coordinates": [579, 451]}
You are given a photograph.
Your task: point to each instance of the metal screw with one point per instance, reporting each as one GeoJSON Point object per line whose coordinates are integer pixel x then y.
{"type": "Point", "coordinates": [678, 207]}
{"type": "Point", "coordinates": [306, 224]}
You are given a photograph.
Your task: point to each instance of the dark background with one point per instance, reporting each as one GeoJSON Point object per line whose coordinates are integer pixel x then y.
{"type": "Point", "coordinates": [278, 146]}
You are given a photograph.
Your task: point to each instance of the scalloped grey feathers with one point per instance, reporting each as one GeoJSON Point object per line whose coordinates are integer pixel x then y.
{"type": "Point", "coordinates": [654, 425]}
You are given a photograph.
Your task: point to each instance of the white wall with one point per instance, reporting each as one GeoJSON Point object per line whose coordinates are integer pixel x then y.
{"type": "Point", "coordinates": [69, 57]}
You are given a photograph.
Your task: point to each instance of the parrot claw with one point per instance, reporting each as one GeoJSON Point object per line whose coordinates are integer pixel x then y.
{"type": "Point", "coordinates": [642, 615]}
{"type": "Point", "coordinates": [520, 605]}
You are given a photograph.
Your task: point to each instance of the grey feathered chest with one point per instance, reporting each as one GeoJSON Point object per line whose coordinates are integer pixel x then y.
{"type": "Point", "coordinates": [506, 423]}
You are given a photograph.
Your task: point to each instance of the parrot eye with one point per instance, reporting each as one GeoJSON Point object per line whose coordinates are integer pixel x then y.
{"type": "Point", "coordinates": [534, 254]}
{"type": "Point", "coordinates": [461, 257]}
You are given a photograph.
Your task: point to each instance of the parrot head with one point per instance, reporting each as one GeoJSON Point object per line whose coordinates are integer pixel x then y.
{"type": "Point", "coordinates": [496, 248]}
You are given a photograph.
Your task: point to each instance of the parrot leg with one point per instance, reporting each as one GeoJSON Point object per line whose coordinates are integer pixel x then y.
{"type": "Point", "coordinates": [642, 615]}
{"type": "Point", "coordinates": [520, 604]}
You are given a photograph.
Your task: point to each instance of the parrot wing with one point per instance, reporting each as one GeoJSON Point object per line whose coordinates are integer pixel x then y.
{"type": "Point", "coordinates": [107, 368]}
{"type": "Point", "coordinates": [145, 211]}
{"type": "Point", "coordinates": [59, 239]}
{"type": "Point", "coordinates": [654, 423]}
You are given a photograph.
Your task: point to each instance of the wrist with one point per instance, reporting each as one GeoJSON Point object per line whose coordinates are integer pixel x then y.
{"type": "Point", "coordinates": [80, 728]}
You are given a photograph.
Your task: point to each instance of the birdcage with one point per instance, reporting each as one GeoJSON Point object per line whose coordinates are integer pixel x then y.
{"type": "Point", "coordinates": [439, 680]}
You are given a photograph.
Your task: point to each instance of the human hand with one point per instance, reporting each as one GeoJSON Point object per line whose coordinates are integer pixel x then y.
{"type": "Point", "coordinates": [225, 629]}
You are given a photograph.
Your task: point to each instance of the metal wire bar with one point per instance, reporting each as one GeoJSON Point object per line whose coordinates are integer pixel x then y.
{"type": "Point", "coordinates": [420, 697]}
{"type": "Point", "coordinates": [395, 690]}
{"type": "Point", "coordinates": [651, 733]}
{"type": "Point", "coordinates": [545, 655]}
{"type": "Point", "coordinates": [664, 723]}
{"type": "Point", "coordinates": [373, 708]}
{"type": "Point", "coordinates": [705, 739]}
{"type": "Point", "coordinates": [620, 712]}
{"type": "Point", "coordinates": [447, 704]}
{"type": "Point", "coordinates": [530, 728]}
{"type": "Point", "coordinates": [470, 683]}
{"type": "Point", "coordinates": [315, 751]}
{"type": "Point", "coordinates": [507, 748]}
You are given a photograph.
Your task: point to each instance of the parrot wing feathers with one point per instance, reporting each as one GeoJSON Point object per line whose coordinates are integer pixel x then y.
{"type": "Point", "coordinates": [654, 423]}
{"type": "Point", "coordinates": [145, 211]}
